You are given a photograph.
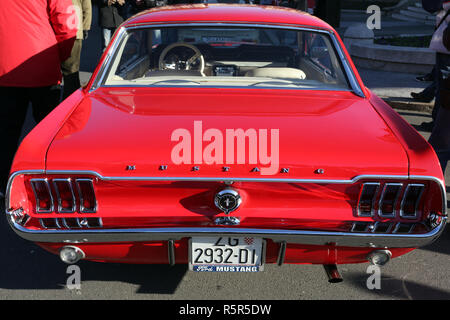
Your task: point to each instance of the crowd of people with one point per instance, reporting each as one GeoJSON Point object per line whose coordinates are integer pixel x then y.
{"type": "Point", "coordinates": [439, 88]}
{"type": "Point", "coordinates": [39, 48]}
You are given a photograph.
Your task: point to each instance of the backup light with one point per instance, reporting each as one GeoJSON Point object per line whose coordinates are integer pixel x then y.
{"type": "Point", "coordinates": [71, 254]}
{"type": "Point", "coordinates": [379, 257]}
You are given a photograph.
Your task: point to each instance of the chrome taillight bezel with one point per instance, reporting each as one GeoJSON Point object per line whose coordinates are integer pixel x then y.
{"type": "Point", "coordinates": [396, 201]}
{"type": "Point", "coordinates": [80, 195]}
{"type": "Point", "coordinates": [36, 197]}
{"type": "Point", "coordinates": [419, 198]}
{"type": "Point", "coordinates": [60, 208]}
{"type": "Point", "coordinates": [374, 197]}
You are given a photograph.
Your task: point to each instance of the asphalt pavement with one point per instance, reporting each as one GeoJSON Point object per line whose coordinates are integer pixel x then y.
{"type": "Point", "coordinates": [29, 272]}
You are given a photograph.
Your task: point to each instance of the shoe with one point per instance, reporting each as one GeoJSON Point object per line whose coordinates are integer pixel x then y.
{"type": "Point", "coordinates": [421, 97]}
{"type": "Point", "coordinates": [427, 77]}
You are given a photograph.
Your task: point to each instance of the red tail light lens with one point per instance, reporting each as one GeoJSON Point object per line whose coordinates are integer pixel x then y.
{"type": "Point", "coordinates": [411, 200]}
{"type": "Point", "coordinates": [43, 195]}
{"type": "Point", "coordinates": [65, 195]}
{"type": "Point", "coordinates": [367, 198]}
{"type": "Point", "coordinates": [88, 202]}
{"type": "Point", "coordinates": [389, 198]}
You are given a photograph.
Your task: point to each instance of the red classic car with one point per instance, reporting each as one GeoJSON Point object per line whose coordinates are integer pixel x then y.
{"type": "Point", "coordinates": [226, 137]}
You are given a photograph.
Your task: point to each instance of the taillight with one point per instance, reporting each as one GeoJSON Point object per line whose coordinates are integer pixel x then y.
{"type": "Point", "coordinates": [88, 202]}
{"type": "Point", "coordinates": [411, 200]}
{"type": "Point", "coordinates": [62, 191]}
{"type": "Point", "coordinates": [389, 199]}
{"type": "Point", "coordinates": [367, 198]}
{"type": "Point", "coordinates": [43, 195]}
{"type": "Point", "coordinates": [64, 195]}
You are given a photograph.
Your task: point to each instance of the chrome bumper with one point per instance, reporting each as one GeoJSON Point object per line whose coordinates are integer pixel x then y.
{"type": "Point", "coordinates": [346, 239]}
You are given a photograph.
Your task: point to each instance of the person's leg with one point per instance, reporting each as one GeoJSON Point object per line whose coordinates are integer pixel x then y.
{"type": "Point", "coordinates": [12, 116]}
{"type": "Point", "coordinates": [106, 37]}
{"type": "Point", "coordinates": [44, 100]}
{"type": "Point", "coordinates": [70, 69]}
{"type": "Point", "coordinates": [437, 81]}
{"type": "Point", "coordinates": [440, 137]}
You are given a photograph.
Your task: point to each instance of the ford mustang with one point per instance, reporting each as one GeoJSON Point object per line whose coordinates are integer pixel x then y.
{"type": "Point", "coordinates": [226, 137]}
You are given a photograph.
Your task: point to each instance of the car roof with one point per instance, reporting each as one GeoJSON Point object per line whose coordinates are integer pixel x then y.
{"type": "Point", "coordinates": [234, 13]}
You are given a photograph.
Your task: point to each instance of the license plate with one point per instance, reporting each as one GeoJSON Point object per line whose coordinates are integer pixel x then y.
{"type": "Point", "coordinates": [226, 254]}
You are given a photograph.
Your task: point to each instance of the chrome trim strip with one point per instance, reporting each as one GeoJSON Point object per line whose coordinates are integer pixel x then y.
{"type": "Point", "coordinates": [123, 32]}
{"type": "Point", "coordinates": [417, 203]}
{"type": "Point", "coordinates": [58, 196]}
{"type": "Point", "coordinates": [47, 185]}
{"type": "Point", "coordinates": [98, 81]}
{"type": "Point", "coordinates": [230, 179]}
{"type": "Point", "coordinates": [348, 70]}
{"type": "Point", "coordinates": [386, 185]}
{"type": "Point", "coordinates": [277, 235]}
{"type": "Point", "coordinates": [290, 236]}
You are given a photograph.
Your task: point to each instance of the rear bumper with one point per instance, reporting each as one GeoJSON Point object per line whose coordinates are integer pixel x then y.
{"type": "Point", "coordinates": [306, 237]}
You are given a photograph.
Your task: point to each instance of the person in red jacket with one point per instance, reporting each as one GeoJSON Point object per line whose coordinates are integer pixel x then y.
{"type": "Point", "coordinates": [35, 37]}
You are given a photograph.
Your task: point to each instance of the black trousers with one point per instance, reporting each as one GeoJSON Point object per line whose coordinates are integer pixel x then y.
{"type": "Point", "coordinates": [70, 70]}
{"type": "Point", "coordinates": [13, 108]}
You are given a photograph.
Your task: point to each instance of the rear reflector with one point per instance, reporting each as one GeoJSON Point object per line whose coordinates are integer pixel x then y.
{"type": "Point", "coordinates": [389, 200]}
{"type": "Point", "coordinates": [411, 200]}
{"type": "Point", "coordinates": [65, 195]}
{"type": "Point", "coordinates": [367, 198]}
{"type": "Point", "coordinates": [43, 195]}
{"type": "Point", "coordinates": [88, 202]}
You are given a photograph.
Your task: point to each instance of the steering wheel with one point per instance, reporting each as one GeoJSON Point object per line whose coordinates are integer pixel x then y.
{"type": "Point", "coordinates": [182, 64]}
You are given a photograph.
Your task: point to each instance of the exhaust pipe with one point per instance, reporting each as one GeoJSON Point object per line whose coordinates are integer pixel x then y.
{"type": "Point", "coordinates": [332, 273]}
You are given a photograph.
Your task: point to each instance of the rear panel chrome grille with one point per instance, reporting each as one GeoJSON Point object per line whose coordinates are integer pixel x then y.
{"type": "Point", "coordinates": [382, 227]}
{"type": "Point", "coordinates": [71, 223]}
